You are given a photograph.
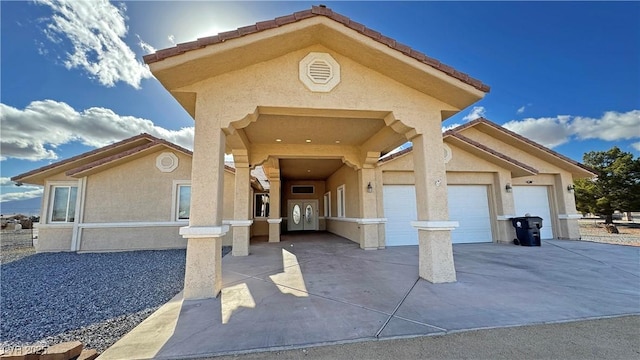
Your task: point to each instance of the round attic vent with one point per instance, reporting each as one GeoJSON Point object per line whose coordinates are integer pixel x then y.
{"type": "Point", "coordinates": [167, 162]}
{"type": "Point", "coordinates": [319, 72]}
{"type": "Point", "coordinates": [447, 153]}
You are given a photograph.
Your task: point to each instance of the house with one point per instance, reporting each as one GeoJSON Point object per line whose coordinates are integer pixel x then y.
{"type": "Point", "coordinates": [130, 195]}
{"type": "Point", "coordinates": [316, 100]}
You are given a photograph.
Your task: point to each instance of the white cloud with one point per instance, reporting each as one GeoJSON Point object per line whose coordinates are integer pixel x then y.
{"type": "Point", "coordinates": [554, 131]}
{"type": "Point", "coordinates": [14, 196]}
{"type": "Point", "coordinates": [636, 145]}
{"type": "Point", "coordinates": [145, 46]}
{"type": "Point", "coordinates": [452, 126]}
{"type": "Point", "coordinates": [5, 181]}
{"type": "Point", "coordinates": [35, 132]}
{"type": "Point", "coordinates": [521, 109]}
{"type": "Point", "coordinates": [172, 39]}
{"type": "Point", "coordinates": [96, 30]}
{"type": "Point", "coordinates": [476, 112]}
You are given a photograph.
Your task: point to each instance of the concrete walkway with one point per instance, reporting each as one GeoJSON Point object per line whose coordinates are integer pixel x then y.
{"type": "Point", "coordinates": [321, 289]}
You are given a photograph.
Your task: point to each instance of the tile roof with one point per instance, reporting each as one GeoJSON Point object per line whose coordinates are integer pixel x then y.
{"type": "Point", "coordinates": [490, 123]}
{"type": "Point", "coordinates": [491, 151]}
{"type": "Point", "coordinates": [305, 14]}
{"type": "Point", "coordinates": [83, 155]}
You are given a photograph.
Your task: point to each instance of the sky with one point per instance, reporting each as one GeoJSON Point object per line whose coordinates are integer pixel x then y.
{"type": "Point", "coordinates": [564, 74]}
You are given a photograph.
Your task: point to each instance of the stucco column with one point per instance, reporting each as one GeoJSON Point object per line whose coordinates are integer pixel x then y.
{"type": "Point", "coordinates": [275, 218]}
{"type": "Point", "coordinates": [203, 272]}
{"type": "Point", "coordinates": [505, 209]}
{"type": "Point", "coordinates": [567, 214]}
{"type": "Point", "coordinates": [241, 223]}
{"type": "Point", "coordinates": [368, 211]}
{"type": "Point", "coordinates": [435, 251]}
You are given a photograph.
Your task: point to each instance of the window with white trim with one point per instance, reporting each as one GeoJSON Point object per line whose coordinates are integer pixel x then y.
{"type": "Point", "coordinates": [340, 194]}
{"type": "Point", "coordinates": [261, 205]}
{"type": "Point", "coordinates": [183, 202]}
{"type": "Point", "coordinates": [327, 204]}
{"type": "Point", "coordinates": [63, 204]}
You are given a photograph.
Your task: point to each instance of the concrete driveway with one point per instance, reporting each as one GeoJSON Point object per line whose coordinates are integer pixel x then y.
{"type": "Point", "coordinates": [319, 289]}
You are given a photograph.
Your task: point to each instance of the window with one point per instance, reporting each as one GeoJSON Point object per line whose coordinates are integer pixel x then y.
{"type": "Point", "coordinates": [184, 202]}
{"type": "Point", "coordinates": [341, 201]}
{"type": "Point", "coordinates": [261, 205]}
{"type": "Point", "coordinates": [327, 204]}
{"type": "Point", "coordinates": [63, 208]}
{"type": "Point", "coordinates": [302, 189]}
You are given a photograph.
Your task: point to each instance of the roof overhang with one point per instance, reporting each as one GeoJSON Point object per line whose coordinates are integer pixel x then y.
{"type": "Point", "coordinates": [517, 168]}
{"type": "Point", "coordinates": [509, 137]}
{"type": "Point", "coordinates": [189, 63]}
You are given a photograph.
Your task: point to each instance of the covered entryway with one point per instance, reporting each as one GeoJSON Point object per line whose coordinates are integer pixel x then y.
{"type": "Point", "coordinates": [468, 204]}
{"type": "Point", "coordinates": [534, 200]}
{"type": "Point", "coordinates": [304, 95]}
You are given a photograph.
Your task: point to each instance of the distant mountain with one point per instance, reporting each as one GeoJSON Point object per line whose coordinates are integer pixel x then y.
{"type": "Point", "coordinates": [25, 207]}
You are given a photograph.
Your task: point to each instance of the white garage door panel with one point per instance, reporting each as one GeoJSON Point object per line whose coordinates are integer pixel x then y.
{"type": "Point", "coordinates": [534, 200]}
{"type": "Point", "coordinates": [468, 205]}
{"type": "Point", "coordinates": [400, 211]}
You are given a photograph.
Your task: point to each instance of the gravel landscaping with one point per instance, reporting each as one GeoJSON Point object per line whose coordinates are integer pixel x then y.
{"type": "Point", "coordinates": [93, 298]}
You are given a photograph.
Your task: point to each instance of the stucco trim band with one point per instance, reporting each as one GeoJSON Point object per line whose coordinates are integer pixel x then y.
{"type": "Point", "coordinates": [362, 221]}
{"type": "Point", "coordinates": [236, 223]}
{"type": "Point", "coordinates": [274, 221]}
{"type": "Point", "coordinates": [435, 225]}
{"type": "Point", "coordinates": [132, 224]}
{"type": "Point", "coordinates": [569, 216]}
{"type": "Point", "coordinates": [192, 232]}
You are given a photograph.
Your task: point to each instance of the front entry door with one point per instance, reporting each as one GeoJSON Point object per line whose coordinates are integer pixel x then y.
{"type": "Point", "coordinates": [303, 215]}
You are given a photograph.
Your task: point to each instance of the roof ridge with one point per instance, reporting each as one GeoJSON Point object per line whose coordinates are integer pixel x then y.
{"type": "Point", "coordinates": [494, 152]}
{"type": "Point", "coordinates": [530, 142]}
{"type": "Point", "coordinates": [84, 154]}
{"type": "Point", "coordinates": [305, 14]}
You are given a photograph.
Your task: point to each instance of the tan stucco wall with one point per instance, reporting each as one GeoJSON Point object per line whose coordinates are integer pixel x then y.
{"type": "Point", "coordinates": [349, 178]}
{"type": "Point", "coordinates": [281, 73]}
{"type": "Point", "coordinates": [260, 227]}
{"type": "Point", "coordinates": [126, 239]}
{"type": "Point", "coordinates": [53, 239]}
{"type": "Point", "coordinates": [346, 229]}
{"type": "Point", "coordinates": [228, 195]}
{"type": "Point", "coordinates": [133, 191]}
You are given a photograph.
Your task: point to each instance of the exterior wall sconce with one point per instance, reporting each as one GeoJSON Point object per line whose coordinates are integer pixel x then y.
{"type": "Point", "coordinates": [570, 188]}
{"type": "Point", "coordinates": [508, 188]}
{"type": "Point", "coordinates": [369, 187]}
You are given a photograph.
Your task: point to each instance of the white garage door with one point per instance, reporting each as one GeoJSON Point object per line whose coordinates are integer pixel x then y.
{"type": "Point", "coordinates": [467, 205]}
{"type": "Point", "coordinates": [400, 211]}
{"type": "Point", "coordinates": [534, 200]}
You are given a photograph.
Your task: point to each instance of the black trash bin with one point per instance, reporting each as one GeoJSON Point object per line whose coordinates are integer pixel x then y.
{"type": "Point", "coordinates": [527, 230]}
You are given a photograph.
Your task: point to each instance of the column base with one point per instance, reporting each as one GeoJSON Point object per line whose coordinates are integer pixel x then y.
{"type": "Point", "coordinates": [203, 272]}
{"type": "Point", "coordinates": [369, 236]}
{"type": "Point", "coordinates": [435, 251]}
{"type": "Point", "coordinates": [274, 230]}
{"type": "Point", "coordinates": [240, 245]}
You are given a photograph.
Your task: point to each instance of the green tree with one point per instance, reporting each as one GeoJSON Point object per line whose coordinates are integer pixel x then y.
{"type": "Point", "coordinates": [616, 186]}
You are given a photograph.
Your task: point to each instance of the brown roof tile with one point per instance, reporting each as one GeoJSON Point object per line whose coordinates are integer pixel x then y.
{"type": "Point", "coordinates": [490, 123]}
{"type": "Point", "coordinates": [305, 14]}
{"type": "Point", "coordinates": [152, 141]}
{"type": "Point", "coordinates": [492, 151]}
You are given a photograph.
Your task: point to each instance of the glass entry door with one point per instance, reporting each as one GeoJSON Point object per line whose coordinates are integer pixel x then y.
{"type": "Point", "coordinates": [303, 215]}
